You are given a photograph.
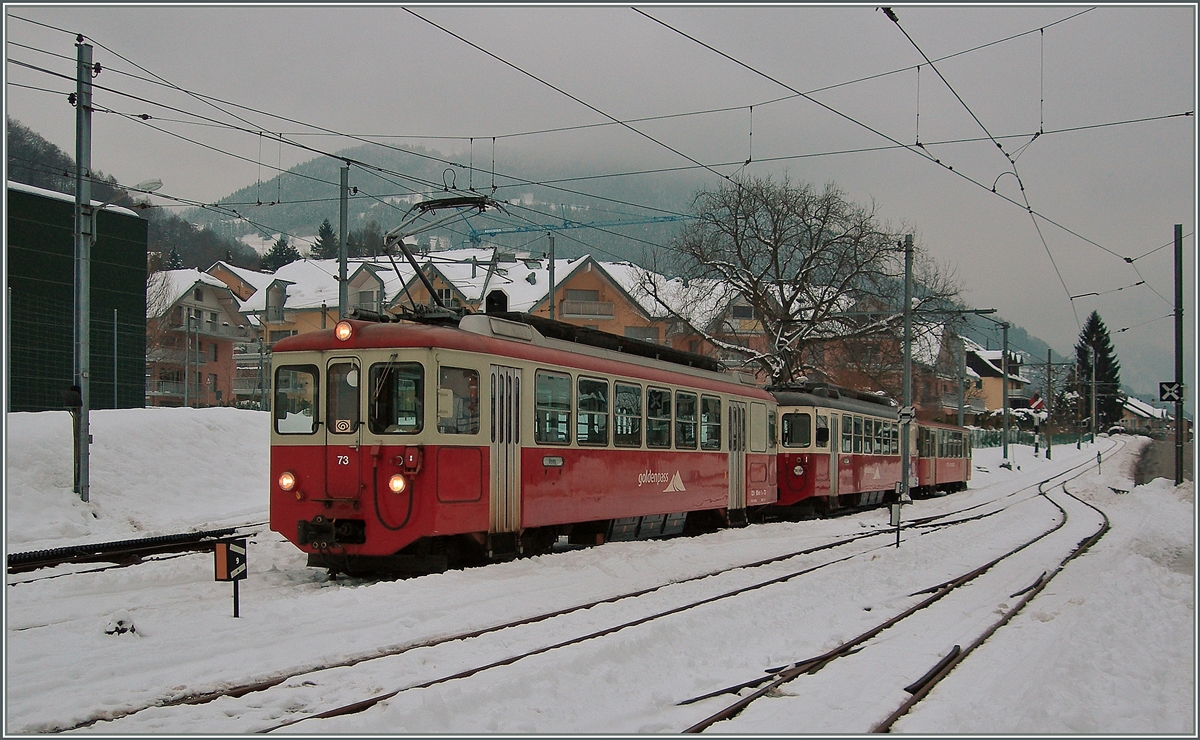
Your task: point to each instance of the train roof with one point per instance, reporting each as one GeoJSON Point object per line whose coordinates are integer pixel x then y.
{"type": "Point", "coordinates": [831, 396]}
{"type": "Point", "coordinates": [503, 336]}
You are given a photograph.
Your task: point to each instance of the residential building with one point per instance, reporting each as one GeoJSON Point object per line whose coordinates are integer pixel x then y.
{"type": "Point", "coordinates": [192, 327]}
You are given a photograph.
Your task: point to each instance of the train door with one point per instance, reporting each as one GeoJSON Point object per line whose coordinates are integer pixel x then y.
{"type": "Point", "coordinates": [737, 456]}
{"type": "Point", "coordinates": [505, 457]}
{"type": "Point", "coordinates": [343, 430]}
{"type": "Point", "coordinates": [835, 442]}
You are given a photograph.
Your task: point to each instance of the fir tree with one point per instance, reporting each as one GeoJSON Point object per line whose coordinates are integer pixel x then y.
{"type": "Point", "coordinates": [327, 246]}
{"type": "Point", "coordinates": [1108, 372]}
{"type": "Point", "coordinates": [174, 261]}
{"type": "Point", "coordinates": [281, 254]}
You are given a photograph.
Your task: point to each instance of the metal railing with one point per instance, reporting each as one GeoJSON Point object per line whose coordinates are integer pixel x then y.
{"type": "Point", "coordinates": [588, 308]}
{"type": "Point", "coordinates": [164, 388]}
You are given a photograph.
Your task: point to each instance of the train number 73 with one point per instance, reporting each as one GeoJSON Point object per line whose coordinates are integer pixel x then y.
{"type": "Point", "coordinates": [343, 459]}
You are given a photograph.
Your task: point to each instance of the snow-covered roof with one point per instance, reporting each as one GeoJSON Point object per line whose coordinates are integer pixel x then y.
{"type": "Point", "coordinates": [175, 284]}
{"type": "Point", "coordinates": [310, 283]}
{"type": "Point", "coordinates": [253, 278]}
{"type": "Point", "coordinates": [994, 359]}
{"type": "Point", "coordinates": [54, 194]}
{"type": "Point", "coordinates": [1143, 409]}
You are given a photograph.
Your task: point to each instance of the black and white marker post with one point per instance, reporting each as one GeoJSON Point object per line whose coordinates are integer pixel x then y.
{"type": "Point", "coordinates": [231, 565]}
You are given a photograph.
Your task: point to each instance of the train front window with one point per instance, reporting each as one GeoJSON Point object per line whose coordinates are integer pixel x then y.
{"type": "Point", "coordinates": [592, 426]}
{"type": "Point", "coordinates": [343, 398]}
{"type": "Point", "coordinates": [552, 408]}
{"type": "Point", "coordinates": [797, 430]}
{"type": "Point", "coordinates": [658, 417]}
{"type": "Point", "coordinates": [295, 409]}
{"type": "Point", "coordinates": [627, 412]}
{"type": "Point", "coordinates": [458, 401]}
{"type": "Point", "coordinates": [397, 398]}
{"type": "Point", "coordinates": [710, 423]}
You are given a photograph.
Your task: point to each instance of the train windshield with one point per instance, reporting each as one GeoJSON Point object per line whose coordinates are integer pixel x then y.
{"type": "Point", "coordinates": [797, 430]}
{"type": "Point", "coordinates": [296, 399]}
{"type": "Point", "coordinates": [397, 398]}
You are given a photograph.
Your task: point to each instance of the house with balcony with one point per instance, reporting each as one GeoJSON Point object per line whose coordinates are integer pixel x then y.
{"type": "Point", "coordinates": [988, 365]}
{"type": "Point", "coordinates": [192, 326]}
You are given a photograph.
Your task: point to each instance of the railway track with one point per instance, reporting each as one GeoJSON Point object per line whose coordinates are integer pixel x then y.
{"type": "Point", "coordinates": [924, 525]}
{"type": "Point", "coordinates": [772, 681]}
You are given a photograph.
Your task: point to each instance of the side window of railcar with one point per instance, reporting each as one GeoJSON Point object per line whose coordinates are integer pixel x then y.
{"type": "Point", "coordinates": [822, 430]}
{"type": "Point", "coordinates": [685, 421]}
{"type": "Point", "coordinates": [710, 423]}
{"type": "Point", "coordinates": [295, 409]}
{"type": "Point", "coordinates": [858, 434]}
{"type": "Point", "coordinates": [771, 430]}
{"type": "Point", "coordinates": [658, 417]}
{"type": "Point", "coordinates": [796, 430]}
{"type": "Point", "coordinates": [552, 408]}
{"type": "Point", "coordinates": [458, 401]}
{"type": "Point", "coordinates": [758, 427]}
{"type": "Point", "coordinates": [847, 433]}
{"type": "Point", "coordinates": [879, 449]}
{"type": "Point", "coordinates": [627, 415]}
{"type": "Point", "coordinates": [894, 449]}
{"type": "Point", "coordinates": [397, 398]}
{"type": "Point", "coordinates": [868, 433]}
{"type": "Point", "coordinates": [342, 393]}
{"type": "Point", "coordinates": [592, 426]}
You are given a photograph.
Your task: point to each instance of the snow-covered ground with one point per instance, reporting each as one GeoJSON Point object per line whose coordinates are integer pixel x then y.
{"type": "Point", "coordinates": [1107, 647]}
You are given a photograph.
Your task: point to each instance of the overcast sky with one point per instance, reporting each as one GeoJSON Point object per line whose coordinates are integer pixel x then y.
{"type": "Point", "coordinates": [383, 71]}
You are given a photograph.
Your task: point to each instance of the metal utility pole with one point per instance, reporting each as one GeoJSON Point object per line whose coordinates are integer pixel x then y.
{"type": "Point", "coordinates": [1049, 399]}
{"type": "Point", "coordinates": [906, 425]}
{"type": "Point", "coordinates": [550, 238]}
{"type": "Point", "coordinates": [1179, 420]}
{"type": "Point", "coordinates": [1093, 394]}
{"type": "Point", "coordinates": [114, 358]}
{"type": "Point", "coordinates": [85, 226]}
{"type": "Point", "coordinates": [343, 288]}
{"type": "Point", "coordinates": [1004, 391]}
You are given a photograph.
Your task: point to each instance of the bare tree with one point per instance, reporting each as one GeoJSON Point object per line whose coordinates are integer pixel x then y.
{"type": "Point", "coordinates": [816, 269]}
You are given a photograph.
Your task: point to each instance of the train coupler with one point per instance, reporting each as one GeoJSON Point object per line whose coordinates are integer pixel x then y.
{"type": "Point", "coordinates": [323, 533]}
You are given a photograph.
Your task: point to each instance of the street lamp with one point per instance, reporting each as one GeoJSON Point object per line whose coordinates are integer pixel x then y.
{"type": "Point", "coordinates": [86, 236]}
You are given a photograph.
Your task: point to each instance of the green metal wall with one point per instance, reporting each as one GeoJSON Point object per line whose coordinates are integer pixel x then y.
{"type": "Point", "coordinates": [40, 260]}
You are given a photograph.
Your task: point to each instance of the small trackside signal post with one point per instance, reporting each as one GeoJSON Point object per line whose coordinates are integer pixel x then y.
{"type": "Point", "coordinates": [230, 561]}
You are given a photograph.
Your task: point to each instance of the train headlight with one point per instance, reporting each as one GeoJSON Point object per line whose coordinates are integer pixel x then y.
{"type": "Point", "coordinates": [343, 330]}
{"type": "Point", "coordinates": [287, 480]}
{"type": "Point", "coordinates": [798, 470]}
{"type": "Point", "coordinates": [397, 483]}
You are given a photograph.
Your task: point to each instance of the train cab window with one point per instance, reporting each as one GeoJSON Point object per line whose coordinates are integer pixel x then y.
{"type": "Point", "coordinates": [458, 401]}
{"type": "Point", "coordinates": [858, 434]}
{"type": "Point", "coordinates": [592, 419]}
{"type": "Point", "coordinates": [627, 415]}
{"type": "Point", "coordinates": [822, 436]}
{"type": "Point", "coordinates": [397, 398]}
{"type": "Point", "coordinates": [343, 398]}
{"type": "Point", "coordinates": [797, 430]}
{"type": "Point", "coordinates": [552, 408]}
{"type": "Point", "coordinates": [847, 433]}
{"type": "Point", "coordinates": [771, 430]}
{"type": "Point", "coordinates": [710, 423]}
{"type": "Point", "coordinates": [685, 421]}
{"type": "Point", "coordinates": [295, 409]}
{"type": "Point", "coordinates": [658, 417]}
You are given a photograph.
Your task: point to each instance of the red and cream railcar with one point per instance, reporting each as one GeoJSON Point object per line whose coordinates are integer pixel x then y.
{"type": "Point", "coordinates": [945, 458]}
{"type": "Point", "coordinates": [401, 443]}
{"type": "Point", "coordinates": [838, 447]}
